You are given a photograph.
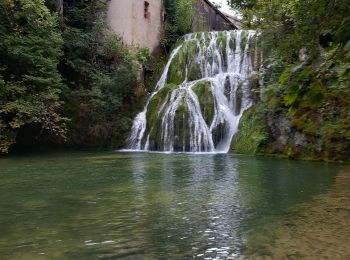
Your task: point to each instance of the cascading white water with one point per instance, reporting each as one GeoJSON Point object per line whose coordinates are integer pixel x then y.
{"type": "Point", "coordinates": [139, 124]}
{"type": "Point", "coordinates": [201, 95]}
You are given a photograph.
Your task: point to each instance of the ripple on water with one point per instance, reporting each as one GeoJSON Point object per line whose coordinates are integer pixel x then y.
{"type": "Point", "coordinates": [153, 205]}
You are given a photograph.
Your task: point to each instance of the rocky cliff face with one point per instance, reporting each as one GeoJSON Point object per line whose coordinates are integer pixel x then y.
{"type": "Point", "coordinates": [302, 110]}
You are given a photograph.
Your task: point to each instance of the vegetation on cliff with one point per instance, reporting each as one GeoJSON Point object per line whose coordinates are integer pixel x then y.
{"type": "Point", "coordinates": [304, 106]}
{"type": "Point", "coordinates": [30, 84]}
{"type": "Point", "coordinates": [178, 20]}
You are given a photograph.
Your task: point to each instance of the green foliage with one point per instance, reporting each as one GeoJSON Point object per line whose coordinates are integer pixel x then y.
{"type": "Point", "coordinates": [303, 89]}
{"type": "Point", "coordinates": [179, 20]}
{"type": "Point", "coordinates": [30, 48]}
{"type": "Point", "coordinates": [101, 74]}
{"type": "Point", "coordinates": [315, 100]}
{"type": "Point", "coordinates": [318, 101]}
{"type": "Point", "coordinates": [306, 97]}
{"type": "Point", "coordinates": [290, 25]}
{"type": "Point", "coordinates": [67, 79]}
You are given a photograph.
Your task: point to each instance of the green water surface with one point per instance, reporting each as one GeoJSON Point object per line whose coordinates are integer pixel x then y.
{"type": "Point", "coordinates": [114, 205]}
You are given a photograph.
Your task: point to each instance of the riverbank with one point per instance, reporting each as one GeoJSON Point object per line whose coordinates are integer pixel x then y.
{"type": "Point", "coordinates": [319, 229]}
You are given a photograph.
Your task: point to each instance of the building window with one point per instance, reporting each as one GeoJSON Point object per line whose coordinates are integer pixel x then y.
{"type": "Point", "coordinates": [146, 10]}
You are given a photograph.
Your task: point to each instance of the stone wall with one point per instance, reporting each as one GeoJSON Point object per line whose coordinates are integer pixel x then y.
{"type": "Point", "coordinates": [134, 24]}
{"type": "Point", "coordinates": [137, 26]}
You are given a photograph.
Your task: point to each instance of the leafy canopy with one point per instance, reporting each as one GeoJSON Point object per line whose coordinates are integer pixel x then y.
{"type": "Point", "coordinates": [30, 48]}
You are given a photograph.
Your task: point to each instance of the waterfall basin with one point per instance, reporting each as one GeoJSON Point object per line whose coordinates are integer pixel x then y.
{"type": "Point", "coordinates": [150, 205]}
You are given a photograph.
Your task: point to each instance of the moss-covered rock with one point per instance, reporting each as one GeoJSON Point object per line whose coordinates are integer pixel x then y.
{"type": "Point", "coordinates": [303, 111]}
{"type": "Point", "coordinates": [252, 133]}
{"type": "Point", "coordinates": [254, 87]}
{"type": "Point", "coordinates": [244, 39]}
{"type": "Point", "coordinates": [184, 59]}
{"type": "Point", "coordinates": [206, 100]}
{"type": "Point", "coordinates": [191, 49]}
{"type": "Point", "coordinates": [177, 69]}
{"type": "Point", "coordinates": [252, 44]}
{"type": "Point", "coordinates": [194, 72]}
{"type": "Point", "coordinates": [207, 37]}
{"type": "Point", "coordinates": [232, 42]}
{"type": "Point", "coordinates": [181, 127]}
{"type": "Point", "coordinates": [221, 42]}
{"type": "Point", "coordinates": [155, 112]}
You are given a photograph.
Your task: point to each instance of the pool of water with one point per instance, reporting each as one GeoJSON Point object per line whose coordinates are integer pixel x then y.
{"type": "Point", "coordinates": [113, 205]}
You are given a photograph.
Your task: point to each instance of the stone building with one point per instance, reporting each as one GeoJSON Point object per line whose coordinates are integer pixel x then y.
{"type": "Point", "coordinates": [141, 22]}
{"type": "Point", "coordinates": [137, 22]}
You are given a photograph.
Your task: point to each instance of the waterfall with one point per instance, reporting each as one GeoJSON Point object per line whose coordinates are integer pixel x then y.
{"type": "Point", "coordinates": [203, 92]}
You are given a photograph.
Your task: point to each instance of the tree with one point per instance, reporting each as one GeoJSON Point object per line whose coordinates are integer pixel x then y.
{"type": "Point", "coordinates": [290, 25]}
{"type": "Point", "coordinates": [30, 48]}
{"type": "Point", "coordinates": [101, 75]}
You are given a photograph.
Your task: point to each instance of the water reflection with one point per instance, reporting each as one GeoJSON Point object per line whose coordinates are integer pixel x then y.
{"type": "Point", "coordinates": [129, 205]}
{"type": "Point", "coordinates": [207, 204]}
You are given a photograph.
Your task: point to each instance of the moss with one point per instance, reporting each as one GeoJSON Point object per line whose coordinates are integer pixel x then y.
{"type": "Point", "coordinates": [252, 44]}
{"type": "Point", "coordinates": [194, 72]}
{"type": "Point", "coordinates": [155, 114]}
{"type": "Point", "coordinates": [272, 96]}
{"type": "Point", "coordinates": [244, 38]}
{"type": "Point", "coordinates": [251, 50]}
{"type": "Point", "coordinates": [177, 72]}
{"type": "Point", "coordinates": [232, 42]}
{"type": "Point", "coordinates": [156, 103]}
{"type": "Point", "coordinates": [206, 100]}
{"type": "Point", "coordinates": [304, 89]}
{"type": "Point", "coordinates": [191, 49]}
{"type": "Point", "coordinates": [181, 127]}
{"type": "Point", "coordinates": [221, 40]}
{"type": "Point", "coordinates": [207, 37]}
{"type": "Point", "coordinates": [252, 133]}
{"type": "Point", "coordinates": [318, 128]}
{"type": "Point", "coordinates": [254, 87]}
{"type": "Point", "coordinates": [155, 69]}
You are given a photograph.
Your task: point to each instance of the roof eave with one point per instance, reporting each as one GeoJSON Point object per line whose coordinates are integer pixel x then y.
{"type": "Point", "coordinates": [220, 13]}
